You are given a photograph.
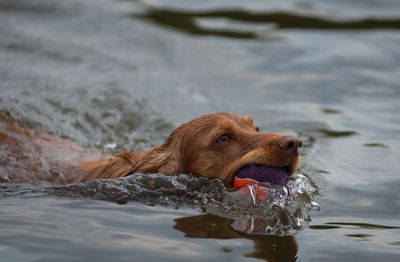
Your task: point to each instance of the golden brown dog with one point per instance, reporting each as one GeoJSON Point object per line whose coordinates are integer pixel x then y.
{"type": "Point", "coordinates": [214, 146]}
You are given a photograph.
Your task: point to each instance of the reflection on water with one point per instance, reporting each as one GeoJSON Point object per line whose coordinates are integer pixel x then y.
{"type": "Point", "coordinates": [269, 248]}
{"type": "Point", "coordinates": [334, 133]}
{"type": "Point", "coordinates": [376, 145]}
{"type": "Point", "coordinates": [360, 225]}
{"type": "Point", "coordinates": [330, 110]}
{"type": "Point", "coordinates": [190, 22]}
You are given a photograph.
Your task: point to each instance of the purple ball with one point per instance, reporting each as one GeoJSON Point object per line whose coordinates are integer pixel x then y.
{"type": "Point", "coordinates": [261, 173]}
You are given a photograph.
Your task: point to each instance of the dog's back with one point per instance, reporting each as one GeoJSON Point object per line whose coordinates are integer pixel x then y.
{"type": "Point", "coordinates": [30, 156]}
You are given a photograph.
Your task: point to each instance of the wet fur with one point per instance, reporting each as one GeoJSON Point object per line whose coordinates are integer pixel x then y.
{"type": "Point", "coordinates": [192, 148]}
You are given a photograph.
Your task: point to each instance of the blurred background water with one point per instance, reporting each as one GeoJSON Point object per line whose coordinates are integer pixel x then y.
{"type": "Point", "coordinates": [116, 75]}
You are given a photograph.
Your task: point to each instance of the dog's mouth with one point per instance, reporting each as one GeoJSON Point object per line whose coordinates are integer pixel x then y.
{"type": "Point", "coordinates": [261, 174]}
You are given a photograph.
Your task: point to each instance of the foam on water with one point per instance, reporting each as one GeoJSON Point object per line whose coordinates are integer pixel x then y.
{"type": "Point", "coordinates": [284, 211]}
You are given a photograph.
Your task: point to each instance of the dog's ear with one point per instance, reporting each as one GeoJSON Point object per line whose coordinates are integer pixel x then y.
{"type": "Point", "coordinates": [109, 168]}
{"type": "Point", "coordinates": [170, 167]}
{"type": "Point", "coordinates": [158, 160]}
{"type": "Point", "coordinates": [165, 159]}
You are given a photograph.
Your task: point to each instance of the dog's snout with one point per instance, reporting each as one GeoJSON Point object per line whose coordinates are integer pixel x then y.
{"type": "Point", "coordinates": [290, 145]}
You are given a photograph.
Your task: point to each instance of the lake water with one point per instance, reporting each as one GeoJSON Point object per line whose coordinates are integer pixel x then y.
{"type": "Point", "coordinates": [116, 75]}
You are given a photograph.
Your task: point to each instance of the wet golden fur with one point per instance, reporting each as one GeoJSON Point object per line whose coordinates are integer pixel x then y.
{"type": "Point", "coordinates": [193, 148]}
{"type": "Point", "coordinates": [214, 146]}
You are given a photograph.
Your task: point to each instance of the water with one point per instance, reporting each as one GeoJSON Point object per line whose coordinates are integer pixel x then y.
{"type": "Point", "coordinates": [120, 75]}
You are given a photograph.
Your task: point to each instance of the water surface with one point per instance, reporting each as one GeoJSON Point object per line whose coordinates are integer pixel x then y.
{"type": "Point", "coordinates": [120, 75]}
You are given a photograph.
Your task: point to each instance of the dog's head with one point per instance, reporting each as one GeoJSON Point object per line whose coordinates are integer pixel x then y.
{"type": "Point", "coordinates": [225, 145]}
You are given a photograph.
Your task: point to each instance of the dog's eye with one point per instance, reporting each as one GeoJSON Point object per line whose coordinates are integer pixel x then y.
{"type": "Point", "coordinates": [223, 139]}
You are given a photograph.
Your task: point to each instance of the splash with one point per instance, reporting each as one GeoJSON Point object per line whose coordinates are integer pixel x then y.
{"type": "Point", "coordinates": [270, 209]}
{"type": "Point", "coordinates": [282, 210]}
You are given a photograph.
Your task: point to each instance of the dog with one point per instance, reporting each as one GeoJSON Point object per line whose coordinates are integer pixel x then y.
{"type": "Point", "coordinates": [223, 145]}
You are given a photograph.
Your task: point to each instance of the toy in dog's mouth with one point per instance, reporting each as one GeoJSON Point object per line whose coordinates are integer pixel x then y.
{"type": "Point", "coordinates": [260, 174]}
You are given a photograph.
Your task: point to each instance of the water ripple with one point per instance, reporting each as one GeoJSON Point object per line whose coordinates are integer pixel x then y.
{"type": "Point", "coordinates": [281, 210]}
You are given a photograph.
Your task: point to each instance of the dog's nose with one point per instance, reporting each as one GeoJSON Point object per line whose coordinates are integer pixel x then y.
{"type": "Point", "coordinates": [290, 145]}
